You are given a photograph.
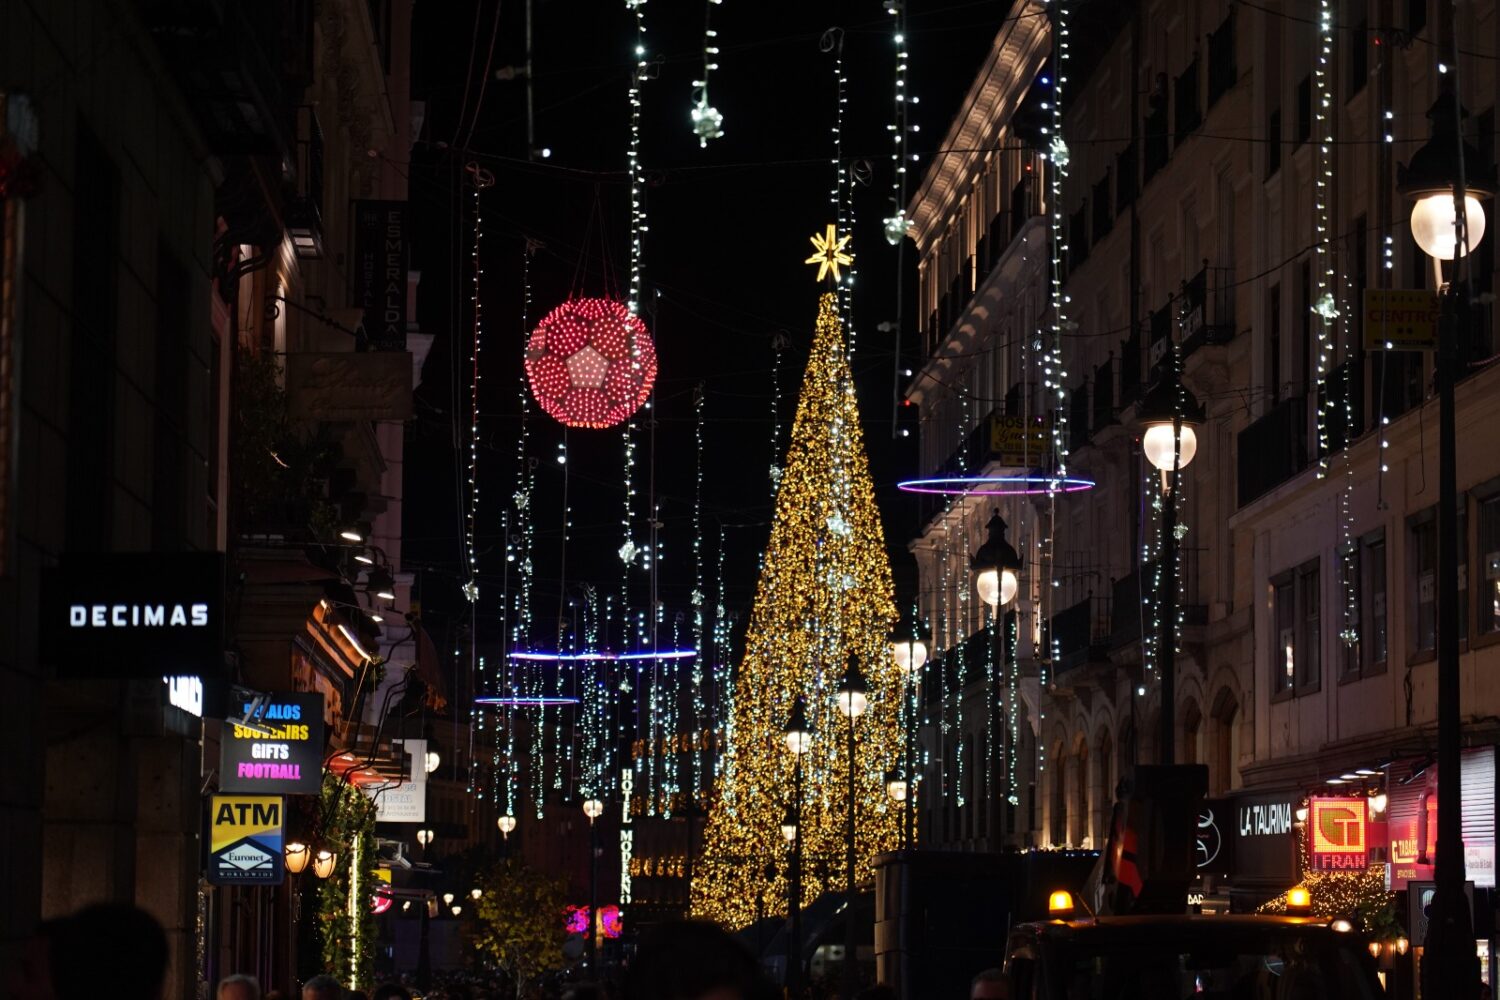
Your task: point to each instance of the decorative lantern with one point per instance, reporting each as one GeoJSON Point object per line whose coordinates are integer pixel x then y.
{"type": "Point", "coordinates": [591, 363]}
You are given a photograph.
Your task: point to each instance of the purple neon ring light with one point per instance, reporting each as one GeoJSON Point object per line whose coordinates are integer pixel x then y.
{"type": "Point", "coordinates": [669, 654]}
{"type": "Point", "coordinates": [997, 486]}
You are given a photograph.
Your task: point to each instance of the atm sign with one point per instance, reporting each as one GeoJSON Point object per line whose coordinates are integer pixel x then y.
{"type": "Point", "coordinates": [1338, 831]}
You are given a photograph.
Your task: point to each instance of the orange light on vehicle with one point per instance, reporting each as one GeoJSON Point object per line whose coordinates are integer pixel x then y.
{"type": "Point", "coordinates": [1060, 903]}
{"type": "Point", "coordinates": [1298, 899]}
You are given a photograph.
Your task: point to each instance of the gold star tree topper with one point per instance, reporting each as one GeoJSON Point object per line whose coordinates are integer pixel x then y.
{"type": "Point", "coordinates": [830, 254]}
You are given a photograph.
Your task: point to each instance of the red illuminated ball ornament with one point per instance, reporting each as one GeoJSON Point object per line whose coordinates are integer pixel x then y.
{"type": "Point", "coordinates": [591, 363]}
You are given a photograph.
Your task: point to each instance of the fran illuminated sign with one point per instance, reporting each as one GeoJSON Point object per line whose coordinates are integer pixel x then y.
{"type": "Point", "coordinates": [1337, 834]}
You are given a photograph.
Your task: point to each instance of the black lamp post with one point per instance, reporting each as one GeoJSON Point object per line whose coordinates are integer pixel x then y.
{"type": "Point", "coordinates": [1447, 222]}
{"type": "Point", "coordinates": [996, 565]}
{"type": "Point", "coordinates": [593, 808]}
{"type": "Point", "coordinates": [852, 702]}
{"type": "Point", "coordinates": [799, 741]}
{"type": "Point", "coordinates": [1169, 416]}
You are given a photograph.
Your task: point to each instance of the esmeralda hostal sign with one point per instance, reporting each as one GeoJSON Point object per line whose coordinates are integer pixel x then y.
{"type": "Point", "coordinates": [245, 839]}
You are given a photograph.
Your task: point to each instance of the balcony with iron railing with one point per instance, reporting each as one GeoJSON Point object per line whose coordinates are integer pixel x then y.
{"type": "Point", "coordinates": [1005, 227]}
{"type": "Point", "coordinates": [958, 668]}
{"type": "Point", "coordinates": [1202, 313]}
{"type": "Point", "coordinates": [1080, 634]}
{"type": "Point", "coordinates": [1003, 435]}
{"type": "Point", "coordinates": [1273, 449]}
{"type": "Point", "coordinates": [1128, 610]}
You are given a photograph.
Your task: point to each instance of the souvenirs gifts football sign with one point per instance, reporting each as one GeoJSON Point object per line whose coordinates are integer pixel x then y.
{"type": "Point", "coordinates": [273, 743]}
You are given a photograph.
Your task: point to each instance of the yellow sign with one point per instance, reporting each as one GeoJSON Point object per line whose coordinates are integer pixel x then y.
{"type": "Point", "coordinates": [1018, 440]}
{"type": "Point", "coordinates": [244, 839]}
{"type": "Point", "coordinates": [1399, 319]}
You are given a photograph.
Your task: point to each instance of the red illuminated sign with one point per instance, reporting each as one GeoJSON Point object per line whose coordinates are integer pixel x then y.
{"type": "Point", "coordinates": [1338, 834]}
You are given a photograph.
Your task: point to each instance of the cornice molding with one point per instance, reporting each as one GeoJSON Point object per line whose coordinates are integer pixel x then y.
{"type": "Point", "coordinates": [1016, 56]}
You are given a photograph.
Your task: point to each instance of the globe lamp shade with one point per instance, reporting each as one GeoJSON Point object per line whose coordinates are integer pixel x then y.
{"type": "Point", "coordinates": [507, 824]}
{"type": "Point", "coordinates": [432, 761]}
{"type": "Point", "coordinates": [591, 363]}
{"type": "Point", "coordinates": [789, 826]}
{"type": "Point", "coordinates": [852, 698]}
{"type": "Point", "coordinates": [1156, 442]}
{"type": "Point", "coordinates": [995, 565]}
{"type": "Point", "coordinates": [997, 586]}
{"type": "Point", "coordinates": [798, 735]}
{"type": "Point", "coordinates": [896, 786]}
{"type": "Point", "coordinates": [593, 809]}
{"type": "Point", "coordinates": [910, 654]}
{"type": "Point", "coordinates": [298, 855]}
{"type": "Point", "coordinates": [1434, 224]}
{"type": "Point", "coordinates": [323, 863]}
{"type": "Point", "coordinates": [1168, 406]}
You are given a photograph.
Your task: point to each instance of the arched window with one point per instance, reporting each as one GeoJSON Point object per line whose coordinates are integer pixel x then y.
{"type": "Point", "coordinates": [1127, 757]}
{"type": "Point", "coordinates": [1103, 786]}
{"type": "Point", "coordinates": [1057, 820]}
{"type": "Point", "coordinates": [1224, 743]}
{"type": "Point", "coordinates": [1192, 733]}
{"type": "Point", "coordinates": [1079, 814]}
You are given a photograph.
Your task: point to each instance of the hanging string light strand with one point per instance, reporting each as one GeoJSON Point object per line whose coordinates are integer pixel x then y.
{"type": "Point", "coordinates": [708, 122]}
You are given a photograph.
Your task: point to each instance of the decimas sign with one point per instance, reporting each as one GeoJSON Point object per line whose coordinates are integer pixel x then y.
{"type": "Point", "coordinates": [591, 362]}
{"type": "Point", "coordinates": [244, 839]}
{"type": "Point", "coordinates": [1338, 841]}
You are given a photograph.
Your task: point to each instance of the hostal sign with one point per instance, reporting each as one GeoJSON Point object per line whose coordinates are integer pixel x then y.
{"type": "Point", "coordinates": [275, 745]}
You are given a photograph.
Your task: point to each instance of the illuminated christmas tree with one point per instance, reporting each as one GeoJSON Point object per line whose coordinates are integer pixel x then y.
{"type": "Point", "coordinates": [824, 593]}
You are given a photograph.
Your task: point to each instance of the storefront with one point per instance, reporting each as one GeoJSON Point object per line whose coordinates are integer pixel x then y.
{"type": "Point", "coordinates": [1259, 853]}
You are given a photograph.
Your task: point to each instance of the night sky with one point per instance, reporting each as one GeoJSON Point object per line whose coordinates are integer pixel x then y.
{"type": "Point", "coordinates": [723, 275]}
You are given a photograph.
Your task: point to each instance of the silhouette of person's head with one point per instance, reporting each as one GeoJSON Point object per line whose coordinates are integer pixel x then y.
{"type": "Point", "coordinates": [694, 960]}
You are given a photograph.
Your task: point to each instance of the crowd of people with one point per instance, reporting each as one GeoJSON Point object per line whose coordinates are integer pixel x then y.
{"type": "Point", "coordinates": [64, 959]}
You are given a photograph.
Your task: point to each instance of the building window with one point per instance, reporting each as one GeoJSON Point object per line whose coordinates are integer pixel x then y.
{"type": "Point", "coordinates": [1373, 620]}
{"type": "Point", "coordinates": [1304, 109]}
{"type": "Point", "coordinates": [1059, 815]}
{"type": "Point", "coordinates": [1273, 342]}
{"type": "Point", "coordinates": [1359, 55]}
{"type": "Point", "coordinates": [1362, 569]}
{"type": "Point", "coordinates": [1296, 616]}
{"type": "Point", "coordinates": [1489, 554]}
{"type": "Point", "coordinates": [1423, 567]}
{"type": "Point", "coordinates": [1416, 16]}
{"type": "Point", "coordinates": [1273, 143]}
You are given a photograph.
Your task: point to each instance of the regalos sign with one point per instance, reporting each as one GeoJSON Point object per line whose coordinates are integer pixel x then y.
{"type": "Point", "coordinates": [1337, 838]}
{"type": "Point", "coordinates": [274, 745]}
